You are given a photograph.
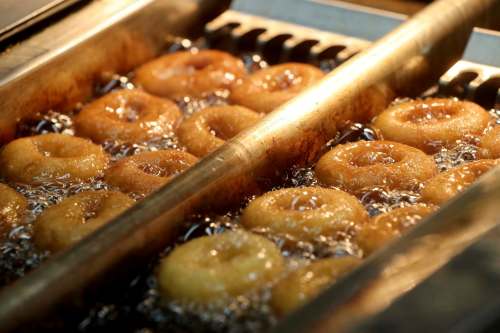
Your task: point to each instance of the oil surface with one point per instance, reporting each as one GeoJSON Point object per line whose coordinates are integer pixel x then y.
{"type": "Point", "coordinates": [138, 307]}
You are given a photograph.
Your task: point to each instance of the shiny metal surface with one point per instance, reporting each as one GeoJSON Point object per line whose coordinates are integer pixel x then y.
{"type": "Point", "coordinates": [465, 79]}
{"type": "Point", "coordinates": [298, 127]}
{"type": "Point", "coordinates": [58, 67]}
{"type": "Point", "coordinates": [358, 302]}
{"type": "Point", "coordinates": [16, 16]}
{"type": "Point", "coordinates": [471, 81]}
{"type": "Point", "coordinates": [460, 297]}
{"type": "Point", "coordinates": [369, 23]}
{"type": "Point", "coordinates": [262, 31]}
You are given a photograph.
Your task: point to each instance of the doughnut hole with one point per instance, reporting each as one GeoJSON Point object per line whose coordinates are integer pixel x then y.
{"type": "Point", "coordinates": [274, 86]}
{"type": "Point", "coordinates": [13, 208]}
{"type": "Point", "coordinates": [359, 165]}
{"type": "Point", "coordinates": [446, 185]}
{"type": "Point", "coordinates": [189, 74]}
{"type": "Point", "coordinates": [52, 156]}
{"type": "Point", "coordinates": [145, 172]}
{"type": "Point", "coordinates": [303, 284]}
{"type": "Point", "coordinates": [74, 218]}
{"type": "Point", "coordinates": [489, 145]}
{"type": "Point", "coordinates": [128, 116]}
{"type": "Point", "coordinates": [304, 214]}
{"type": "Point", "coordinates": [208, 129]}
{"type": "Point", "coordinates": [432, 123]}
{"type": "Point", "coordinates": [387, 226]}
{"type": "Point", "coordinates": [212, 270]}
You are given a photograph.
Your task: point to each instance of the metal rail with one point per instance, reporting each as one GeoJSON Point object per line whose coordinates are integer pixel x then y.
{"type": "Point", "coordinates": [462, 297]}
{"type": "Point", "coordinates": [359, 301]}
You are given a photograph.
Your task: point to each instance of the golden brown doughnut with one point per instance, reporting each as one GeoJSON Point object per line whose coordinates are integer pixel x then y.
{"type": "Point", "coordinates": [146, 172]}
{"type": "Point", "coordinates": [385, 227]}
{"type": "Point", "coordinates": [36, 159]}
{"type": "Point", "coordinates": [489, 145]}
{"type": "Point", "coordinates": [211, 270]}
{"type": "Point", "coordinates": [189, 73]}
{"type": "Point", "coordinates": [209, 128]}
{"type": "Point", "coordinates": [127, 116]}
{"type": "Point", "coordinates": [268, 88]}
{"type": "Point", "coordinates": [357, 165]}
{"type": "Point", "coordinates": [303, 284]}
{"type": "Point", "coordinates": [446, 185]}
{"type": "Point", "coordinates": [12, 208]}
{"type": "Point", "coordinates": [303, 214]}
{"type": "Point", "coordinates": [432, 123]}
{"type": "Point", "coordinates": [69, 221]}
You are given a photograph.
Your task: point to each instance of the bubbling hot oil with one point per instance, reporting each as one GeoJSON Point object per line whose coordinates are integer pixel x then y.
{"type": "Point", "coordinates": [141, 308]}
{"type": "Point", "coordinates": [144, 310]}
{"type": "Point", "coordinates": [18, 255]}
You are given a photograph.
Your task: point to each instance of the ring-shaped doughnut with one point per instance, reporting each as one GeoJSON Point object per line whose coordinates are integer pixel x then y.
{"type": "Point", "coordinates": [210, 270]}
{"type": "Point", "coordinates": [303, 284]}
{"type": "Point", "coordinates": [432, 123]}
{"type": "Point", "coordinates": [303, 214]}
{"type": "Point", "coordinates": [268, 88]}
{"type": "Point", "coordinates": [446, 185]}
{"type": "Point", "coordinates": [127, 116]}
{"type": "Point", "coordinates": [358, 165]}
{"type": "Point", "coordinates": [387, 226]}
{"type": "Point", "coordinates": [209, 128]}
{"type": "Point", "coordinates": [41, 158]}
{"type": "Point", "coordinates": [187, 73]}
{"type": "Point", "coordinates": [13, 208]}
{"type": "Point", "coordinates": [489, 144]}
{"type": "Point", "coordinates": [69, 221]}
{"type": "Point", "coordinates": [146, 172]}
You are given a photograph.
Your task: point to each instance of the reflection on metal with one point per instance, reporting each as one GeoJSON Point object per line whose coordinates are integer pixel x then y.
{"type": "Point", "coordinates": [243, 32]}
{"type": "Point", "coordinates": [361, 22]}
{"type": "Point", "coordinates": [403, 265]}
{"type": "Point", "coordinates": [58, 67]}
{"type": "Point", "coordinates": [262, 31]}
{"type": "Point", "coordinates": [471, 81]}
{"type": "Point", "coordinates": [407, 60]}
{"type": "Point", "coordinates": [461, 297]}
{"type": "Point", "coordinates": [16, 16]}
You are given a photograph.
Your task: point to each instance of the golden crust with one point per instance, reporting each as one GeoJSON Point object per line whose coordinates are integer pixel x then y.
{"type": "Point", "coordinates": [127, 116]}
{"type": "Point", "coordinates": [42, 158]}
{"type": "Point", "coordinates": [64, 224]}
{"type": "Point", "coordinates": [186, 73]}
{"type": "Point", "coordinates": [363, 164]}
{"type": "Point", "coordinates": [146, 172]}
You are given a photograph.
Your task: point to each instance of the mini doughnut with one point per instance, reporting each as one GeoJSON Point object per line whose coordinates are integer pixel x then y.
{"type": "Point", "coordinates": [46, 157]}
{"type": "Point", "coordinates": [127, 116]}
{"type": "Point", "coordinates": [446, 185]}
{"type": "Point", "coordinates": [208, 129]}
{"type": "Point", "coordinates": [385, 227]}
{"type": "Point", "coordinates": [146, 172]}
{"type": "Point", "coordinates": [432, 123]}
{"type": "Point", "coordinates": [268, 88]}
{"type": "Point", "coordinates": [213, 269]}
{"type": "Point", "coordinates": [303, 284]}
{"type": "Point", "coordinates": [12, 208]}
{"type": "Point", "coordinates": [303, 214]}
{"type": "Point", "coordinates": [186, 73]}
{"type": "Point", "coordinates": [69, 221]}
{"type": "Point", "coordinates": [489, 145]}
{"type": "Point", "coordinates": [358, 165]}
